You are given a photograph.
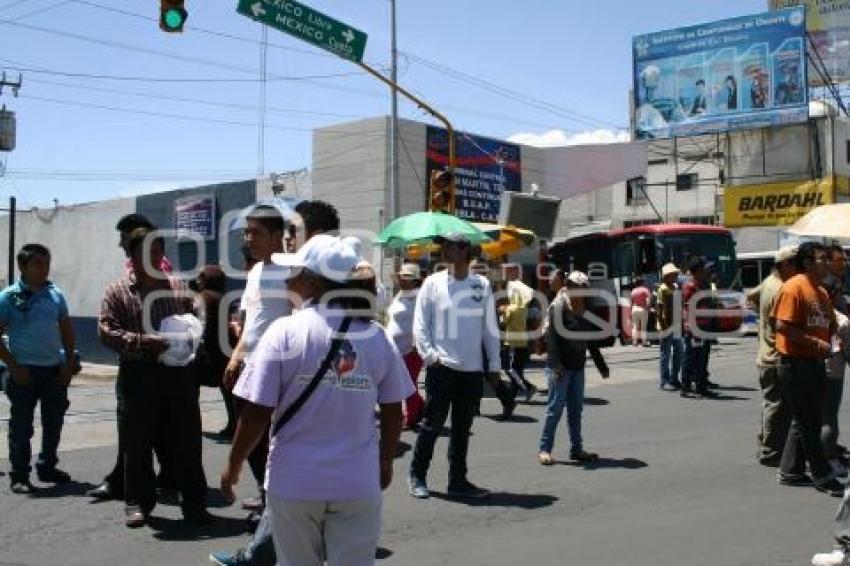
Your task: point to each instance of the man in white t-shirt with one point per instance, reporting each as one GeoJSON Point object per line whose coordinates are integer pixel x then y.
{"type": "Point", "coordinates": [454, 325]}
{"type": "Point", "coordinates": [263, 301]}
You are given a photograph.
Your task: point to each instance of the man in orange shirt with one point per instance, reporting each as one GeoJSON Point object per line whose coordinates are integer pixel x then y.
{"type": "Point", "coordinates": [804, 324]}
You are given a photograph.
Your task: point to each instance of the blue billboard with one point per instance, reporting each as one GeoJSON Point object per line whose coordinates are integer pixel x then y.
{"type": "Point", "coordinates": [485, 168]}
{"type": "Point", "coordinates": [747, 72]}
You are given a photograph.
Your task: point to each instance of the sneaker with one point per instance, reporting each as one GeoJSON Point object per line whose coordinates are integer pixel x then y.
{"type": "Point", "coordinates": [417, 488]}
{"type": "Point", "coordinates": [772, 461]}
{"type": "Point", "coordinates": [508, 410]}
{"type": "Point", "coordinates": [838, 469]}
{"type": "Point", "coordinates": [253, 504]}
{"type": "Point", "coordinates": [22, 487]}
{"type": "Point", "coordinates": [676, 384]}
{"type": "Point", "coordinates": [834, 558]}
{"type": "Point", "coordinates": [583, 456]}
{"type": "Point", "coordinates": [466, 489]}
{"type": "Point", "coordinates": [713, 385]}
{"type": "Point", "coordinates": [224, 558]}
{"type": "Point", "coordinates": [52, 475]}
{"type": "Point", "coordinates": [832, 488]}
{"type": "Point", "coordinates": [793, 479]}
{"type": "Point", "coordinates": [134, 517]}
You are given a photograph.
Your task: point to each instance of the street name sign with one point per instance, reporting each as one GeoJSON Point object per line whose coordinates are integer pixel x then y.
{"type": "Point", "coordinates": [305, 23]}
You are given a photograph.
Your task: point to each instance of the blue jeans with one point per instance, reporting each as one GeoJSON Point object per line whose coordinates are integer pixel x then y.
{"type": "Point", "coordinates": [44, 387]}
{"type": "Point", "coordinates": [695, 368]}
{"type": "Point", "coordinates": [260, 550]}
{"type": "Point", "coordinates": [671, 347]}
{"type": "Point", "coordinates": [566, 389]}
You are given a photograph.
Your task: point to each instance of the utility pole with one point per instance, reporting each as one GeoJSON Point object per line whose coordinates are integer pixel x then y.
{"type": "Point", "coordinates": [394, 188]}
{"type": "Point", "coordinates": [10, 268]}
{"type": "Point", "coordinates": [261, 139]}
{"type": "Point", "coordinates": [7, 143]}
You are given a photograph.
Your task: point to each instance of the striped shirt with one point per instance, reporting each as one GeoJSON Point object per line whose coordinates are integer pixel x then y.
{"type": "Point", "coordinates": [121, 323]}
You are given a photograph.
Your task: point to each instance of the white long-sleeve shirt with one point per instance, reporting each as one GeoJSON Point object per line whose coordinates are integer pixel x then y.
{"type": "Point", "coordinates": [400, 325]}
{"type": "Point", "coordinates": [454, 319]}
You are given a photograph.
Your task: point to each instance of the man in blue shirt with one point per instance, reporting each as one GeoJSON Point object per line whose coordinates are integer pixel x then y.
{"type": "Point", "coordinates": [34, 315]}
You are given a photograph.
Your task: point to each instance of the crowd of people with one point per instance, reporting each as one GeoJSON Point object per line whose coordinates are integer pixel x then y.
{"type": "Point", "coordinates": [306, 347]}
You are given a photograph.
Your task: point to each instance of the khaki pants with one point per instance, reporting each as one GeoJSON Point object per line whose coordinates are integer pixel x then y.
{"type": "Point", "coordinates": [775, 416]}
{"type": "Point", "coordinates": [345, 533]}
{"type": "Point", "coordinates": [640, 319]}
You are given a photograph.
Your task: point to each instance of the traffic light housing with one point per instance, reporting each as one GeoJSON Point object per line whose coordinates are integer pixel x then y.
{"type": "Point", "coordinates": [441, 192]}
{"type": "Point", "coordinates": [172, 15]}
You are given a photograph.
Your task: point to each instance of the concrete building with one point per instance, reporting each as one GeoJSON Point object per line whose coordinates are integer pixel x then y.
{"type": "Point", "coordinates": [746, 180]}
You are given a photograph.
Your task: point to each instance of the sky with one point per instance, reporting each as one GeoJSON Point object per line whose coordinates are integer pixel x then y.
{"type": "Point", "coordinates": [111, 106]}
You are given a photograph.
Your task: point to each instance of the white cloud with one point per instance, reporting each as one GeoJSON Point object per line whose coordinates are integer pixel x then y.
{"type": "Point", "coordinates": [560, 138]}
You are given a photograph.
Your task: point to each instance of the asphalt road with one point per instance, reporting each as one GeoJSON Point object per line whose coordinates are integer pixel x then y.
{"type": "Point", "coordinates": [677, 485]}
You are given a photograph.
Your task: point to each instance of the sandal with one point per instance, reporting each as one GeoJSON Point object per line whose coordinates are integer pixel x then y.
{"type": "Point", "coordinates": [545, 458]}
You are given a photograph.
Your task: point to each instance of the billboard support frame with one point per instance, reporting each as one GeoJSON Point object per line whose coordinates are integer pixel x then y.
{"type": "Point", "coordinates": [823, 72]}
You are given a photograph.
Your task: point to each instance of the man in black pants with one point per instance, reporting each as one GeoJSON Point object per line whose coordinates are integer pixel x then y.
{"type": "Point", "coordinates": [454, 324]}
{"type": "Point", "coordinates": [112, 486]}
{"type": "Point", "coordinates": [151, 392]}
{"type": "Point", "coordinates": [805, 321]}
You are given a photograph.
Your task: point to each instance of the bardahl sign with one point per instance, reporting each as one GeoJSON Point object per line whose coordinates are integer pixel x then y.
{"type": "Point", "coordinates": [774, 204]}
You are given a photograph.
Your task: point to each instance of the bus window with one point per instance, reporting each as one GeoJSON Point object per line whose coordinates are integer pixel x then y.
{"type": "Point", "coordinates": [647, 262]}
{"type": "Point", "coordinates": [750, 276]}
{"type": "Point", "coordinates": [625, 259]}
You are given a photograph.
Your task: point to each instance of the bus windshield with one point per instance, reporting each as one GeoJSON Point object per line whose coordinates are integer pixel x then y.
{"type": "Point", "coordinates": [717, 248]}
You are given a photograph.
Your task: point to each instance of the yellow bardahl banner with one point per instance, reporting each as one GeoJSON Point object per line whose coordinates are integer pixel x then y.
{"type": "Point", "coordinates": [774, 204]}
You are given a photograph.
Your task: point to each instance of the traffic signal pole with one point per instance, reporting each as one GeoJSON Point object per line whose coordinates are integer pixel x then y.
{"type": "Point", "coordinates": [424, 106]}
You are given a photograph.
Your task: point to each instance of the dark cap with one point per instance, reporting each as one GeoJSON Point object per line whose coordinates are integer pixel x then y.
{"type": "Point", "coordinates": [453, 238]}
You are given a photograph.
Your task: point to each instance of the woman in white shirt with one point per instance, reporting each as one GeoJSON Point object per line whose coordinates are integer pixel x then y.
{"type": "Point", "coordinates": [400, 330]}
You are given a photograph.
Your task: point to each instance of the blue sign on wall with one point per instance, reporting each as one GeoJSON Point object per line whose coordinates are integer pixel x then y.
{"type": "Point", "coordinates": [746, 72]}
{"type": "Point", "coordinates": [196, 215]}
{"type": "Point", "coordinates": [485, 168]}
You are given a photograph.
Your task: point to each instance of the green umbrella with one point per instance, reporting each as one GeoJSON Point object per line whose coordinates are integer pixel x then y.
{"type": "Point", "coordinates": [421, 227]}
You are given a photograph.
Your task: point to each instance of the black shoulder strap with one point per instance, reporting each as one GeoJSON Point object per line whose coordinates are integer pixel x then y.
{"type": "Point", "coordinates": [320, 374]}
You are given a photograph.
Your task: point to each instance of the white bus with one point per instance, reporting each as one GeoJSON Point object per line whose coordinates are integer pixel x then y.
{"type": "Point", "coordinates": [753, 268]}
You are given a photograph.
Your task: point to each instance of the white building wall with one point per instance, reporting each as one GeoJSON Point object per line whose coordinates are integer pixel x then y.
{"type": "Point", "coordinates": [85, 256]}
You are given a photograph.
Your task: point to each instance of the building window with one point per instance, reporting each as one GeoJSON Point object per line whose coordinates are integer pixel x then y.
{"type": "Point", "coordinates": [645, 222]}
{"type": "Point", "coordinates": [636, 190]}
{"type": "Point", "coordinates": [707, 220]}
{"type": "Point", "coordinates": [687, 181]}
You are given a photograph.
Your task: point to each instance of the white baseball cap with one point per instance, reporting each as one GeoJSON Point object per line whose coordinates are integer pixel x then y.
{"type": "Point", "coordinates": [669, 269]}
{"type": "Point", "coordinates": [578, 278]}
{"type": "Point", "coordinates": [323, 254]}
{"type": "Point", "coordinates": [786, 253]}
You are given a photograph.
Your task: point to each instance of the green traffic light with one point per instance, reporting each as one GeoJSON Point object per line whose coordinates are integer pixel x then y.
{"type": "Point", "coordinates": [174, 18]}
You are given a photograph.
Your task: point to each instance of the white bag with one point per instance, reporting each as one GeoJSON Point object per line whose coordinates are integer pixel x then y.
{"type": "Point", "coordinates": [183, 333]}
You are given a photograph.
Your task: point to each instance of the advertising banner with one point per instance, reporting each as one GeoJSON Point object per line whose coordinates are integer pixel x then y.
{"type": "Point", "coordinates": [196, 215]}
{"type": "Point", "coordinates": [485, 168]}
{"type": "Point", "coordinates": [746, 72]}
{"type": "Point", "coordinates": [774, 204]}
{"type": "Point", "coordinates": [828, 24]}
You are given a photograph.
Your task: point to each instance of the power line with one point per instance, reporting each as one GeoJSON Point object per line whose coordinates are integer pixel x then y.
{"type": "Point", "coordinates": [173, 98]}
{"type": "Point", "coordinates": [341, 133]}
{"type": "Point", "coordinates": [41, 10]}
{"type": "Point", "coordinates": [182, 58]}
{"type": "Point", "coordinates": [12, 5]}
{"type": "Point", "coordinates": [206, 31]}
{"type": "Point", "coordinates": [45, 71]}
{"type": "Point", "coordinates": [512, 94]}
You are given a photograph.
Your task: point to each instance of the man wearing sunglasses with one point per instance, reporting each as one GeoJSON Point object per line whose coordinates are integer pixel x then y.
{"type": "Point", "coordinates": [454, 325]}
